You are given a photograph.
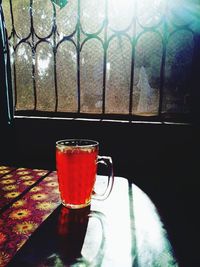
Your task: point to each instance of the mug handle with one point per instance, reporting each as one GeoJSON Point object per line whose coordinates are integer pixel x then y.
{"type": "Point", "coordinates": [105, 160]}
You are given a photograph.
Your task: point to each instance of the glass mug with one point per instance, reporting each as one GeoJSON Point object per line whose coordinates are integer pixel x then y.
{"type": "Point", "coordinates": [76, 164]}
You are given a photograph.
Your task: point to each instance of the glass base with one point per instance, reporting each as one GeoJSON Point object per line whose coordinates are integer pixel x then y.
{"type": "Point", "coordinates": [76, 206]}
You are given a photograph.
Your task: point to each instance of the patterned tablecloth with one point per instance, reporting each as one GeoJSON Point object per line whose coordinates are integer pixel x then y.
{"type": "Point", "coordinates": [5, 170]}
{"type": "Point", "coordinates": [27, 198]}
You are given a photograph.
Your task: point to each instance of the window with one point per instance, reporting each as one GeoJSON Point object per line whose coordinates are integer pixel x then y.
{"type": "Point", "coordinates": [102, 58]}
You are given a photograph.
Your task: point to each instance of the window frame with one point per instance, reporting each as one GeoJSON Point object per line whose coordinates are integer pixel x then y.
{"type": "Point", "coordinates": [161, 117]}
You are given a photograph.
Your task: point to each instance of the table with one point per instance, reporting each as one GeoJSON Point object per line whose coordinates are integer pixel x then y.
{"type": "Point", "coordinates": [122, 231]}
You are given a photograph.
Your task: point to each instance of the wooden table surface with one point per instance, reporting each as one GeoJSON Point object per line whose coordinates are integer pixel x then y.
{"type": "Point", "coordinates": [122, 231]}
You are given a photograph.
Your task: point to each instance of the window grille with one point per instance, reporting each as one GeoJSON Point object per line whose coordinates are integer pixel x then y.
{"type": "Point", "coordinates": [102, 58]}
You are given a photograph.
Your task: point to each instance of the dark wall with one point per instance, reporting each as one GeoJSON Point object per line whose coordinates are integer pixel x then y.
{"type": "Point", "coordinates": [142, 152]}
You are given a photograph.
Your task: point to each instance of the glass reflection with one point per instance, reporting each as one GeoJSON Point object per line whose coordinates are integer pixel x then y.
{"type": "Point", "coordinates": [76, 232]}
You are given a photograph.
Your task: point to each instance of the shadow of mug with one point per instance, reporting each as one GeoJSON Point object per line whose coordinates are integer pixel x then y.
{"type": "Point", "coordinates": [78, 236]}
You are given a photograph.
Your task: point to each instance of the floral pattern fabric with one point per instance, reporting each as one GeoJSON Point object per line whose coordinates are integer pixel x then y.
{"type": "Point", "coordinates": [25, 215]}
{"type": "Point", "coordinates": [5, 170]}
{"type": "Point", "coordinates": [14, 182]}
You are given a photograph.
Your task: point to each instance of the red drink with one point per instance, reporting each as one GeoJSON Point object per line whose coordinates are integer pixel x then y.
{"type": "Point", "coordinates": [76, 168]}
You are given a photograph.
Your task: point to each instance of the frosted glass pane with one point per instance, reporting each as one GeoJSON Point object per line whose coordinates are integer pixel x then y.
{"type": "Point", "coordinates": [43, 17]}
{"type": "Point", "coordinates": [92, 20]}
{"type": "Point", "coordinates": [66, 19]}
{"type": "Point", "coordinates": [150, 12]}
{"type": "Point", "coordinates": [148, 56]}
{"type": "Point", "coordinates": [45, 77]}
{"type": "Point", "coordinates": [24, 81]}
{"type": "Point", "coordinates": [91, 67]}
{"type": "Point", "coordinates": [7, 16]}
{"type": "Point", "coordinates": [22, 18]}
{"type": "Point", "coordinates": [67, 77]}
{"type": "Point", "coordinates": [120, 14]}
{"type": "Point", "coordinates": [183, 12]}
{"type": "Point", "coordinates": [118, 76]}
{"type": "Point", "coordinates": [177, 72]}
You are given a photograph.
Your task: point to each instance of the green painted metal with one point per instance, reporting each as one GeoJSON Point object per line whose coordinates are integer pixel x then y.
{"type": "Point", "coordinates": [60, 3]}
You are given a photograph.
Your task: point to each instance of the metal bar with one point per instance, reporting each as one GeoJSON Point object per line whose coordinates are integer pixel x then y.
{"type": "Point", "coordinates": [54, 58]}
{"type": "Point", "coordinates": [78, 58]}
{"type": "Point", "coordinates": [33, 55]}
{"type": "Point", "coordinates": [13, 34]}
{"type": "Point", "coordinates": [105, 58]}
{"type": "Point", "coordinates": [162, 69]}
{"type": "Point", "coordinates": [132, 60]}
